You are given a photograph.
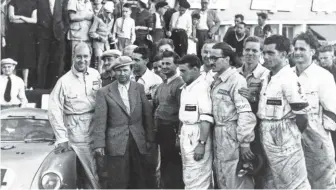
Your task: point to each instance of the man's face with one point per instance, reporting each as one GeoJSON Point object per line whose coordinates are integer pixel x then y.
{"type": "Point", "coordinates": [217, 61]}
{"type": "Point", "coordinates": [163, 10]}
{"type": "Point", "coordinates": [165, 47]}
{"type": "Point", "coordinates": [237, 20]}
{"type": "Point", "coordinates": [204, 5]}
{"type": "Point", "coordinates": [302, 52]}
{"type": "Point", "coordinates": [326, 58]}
{"type": "Point", "coordinates": [252, 52]}
{"type": "Point", "coordinates": [7, 69]}
{"type": "Point", "coordinates": [157, 66]}
{"type": "Point", "coordinates": [140, 63]}
{"type": "Point", "coordinates": [168, 66]}
{"type": "Point", "coordinates": [109, 62]}
{"type": "Point", "coordinates": [272, 57]}
{"type": "Point", "coordinates": [123, 74]}
{"type": "Point", "coordinates": [182, 10]}
{"type": "Point", "coordinates": [82, 58]}
{"type": "Point", "coordinates": [126, 12]}
{"type": "Point", "coordinates": [240, 28]}
{"type": "Point", "coordinates": [186, 73]}
{"type": "Point", "coordinates": [206, 54]}
{"type": "Point", "coordinates": [261, 21]}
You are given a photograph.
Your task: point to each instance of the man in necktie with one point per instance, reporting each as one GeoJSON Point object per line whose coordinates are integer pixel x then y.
{"type": "Point", "coordinates": [12, 90]}
{"type": "Point", "coordinates": [124, 128]}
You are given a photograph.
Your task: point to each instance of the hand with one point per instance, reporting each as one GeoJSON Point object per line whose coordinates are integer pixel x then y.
{"type": "Point", "coordinates": [199, 152]}
{"type": "Point", "coordinates": [195, 40]}
{"type": "Point", "coordinates": [62, 147]}
{"type": "Point", "coordinates": [248, 94]}
{"type": "Point", "coordinates": [210, 34]}
{"type": "Point", "coordinates": [234, 49]}
{"type": "Point", "coordinates": [168, 33]}
{"type": "Point", "coordinates": [302, 122]}
{"type": "Point", "coordinates": [246, 153]}
{"type": "Point", "coordinates": [100, 151]}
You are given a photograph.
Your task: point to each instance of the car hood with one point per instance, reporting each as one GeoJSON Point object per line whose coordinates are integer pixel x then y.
{"type": "Point", "coordinates": [20, 164]}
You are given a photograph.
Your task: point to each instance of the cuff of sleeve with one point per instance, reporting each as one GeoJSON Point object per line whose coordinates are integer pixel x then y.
{"type": "Point", "coordinates": [59, 141]}
{"type": "Point", "coordinates": [245, 145]}
{"type": "Point", "coordinates": [98, 144]}
{"type": "Point", "coordinates": [208, 118]}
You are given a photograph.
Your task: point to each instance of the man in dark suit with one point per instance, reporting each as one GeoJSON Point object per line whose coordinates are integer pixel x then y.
{"type": "Point", "coordinates": [124, 128]}
{"type": "Point", "coordinates": [52, 25]}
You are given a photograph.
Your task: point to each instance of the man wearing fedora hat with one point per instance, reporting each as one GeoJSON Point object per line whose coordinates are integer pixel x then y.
{"type": "Point", "coordinates": [124, 128]}
{"type": "Point", "coordinates": [109, 57]}
{"type": "Point", "coordinates": [12, 90]}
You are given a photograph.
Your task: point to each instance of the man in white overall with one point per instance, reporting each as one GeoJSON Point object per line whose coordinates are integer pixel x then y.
{"type": "Point", "coordinates": [196, 115]}
{"type": "Point", "coordinates": [71, 107]}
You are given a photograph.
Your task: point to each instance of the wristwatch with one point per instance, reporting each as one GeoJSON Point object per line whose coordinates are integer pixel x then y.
{"type": "Point", "coordinates": [202, 142]}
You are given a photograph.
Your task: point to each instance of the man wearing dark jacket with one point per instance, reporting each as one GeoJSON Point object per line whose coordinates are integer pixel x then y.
{"type": "Point", "coordinates": [52, 25]}
{"type": "Point", "coordinates": [123, 128]}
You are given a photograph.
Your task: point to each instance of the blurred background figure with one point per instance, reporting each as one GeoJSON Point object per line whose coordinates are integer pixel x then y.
{"type": "Point", "coordinates": [267, 30]}
{"type": "Point", "coordinates": [143, 25]}
{"type": "Point", "coordinates": [326, 59]}
{"type": "Point", "coordinates": [258, 30]}
{"type": "Point", "coordinates": [157, 66]}
{"type": "Point", "coordinates": [193, 40]}
{"type": "Point", "coordinates": [159, 26]}
{"type": "Point", "coordinates": [21, 36]}
{"type": "Point", "coordinates": [237, 19]}
{"type": "Point", "coordinates": [109, 58]}
{"type": "Point", "coordinates": [12, 90]}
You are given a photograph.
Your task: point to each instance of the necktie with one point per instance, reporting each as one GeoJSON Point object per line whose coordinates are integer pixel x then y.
{"type": "Point", "coordinates": [124, 97]}
{"type": "Point", "coordinates": [7, 95]}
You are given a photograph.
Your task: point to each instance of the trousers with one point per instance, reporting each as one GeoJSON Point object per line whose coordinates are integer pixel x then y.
{"type": "Point", "coordinates": [180, 40]}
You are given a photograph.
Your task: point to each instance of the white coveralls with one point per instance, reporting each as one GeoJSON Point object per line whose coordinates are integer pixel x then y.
{"type": "Point", "coordinates": [234, 125]}
{"type": "Point", "coordinates": [280, 136]}
{"type": "Point", "coordinates": [320, 90]}
{"type": "Point", "coordinates": [195, 107]}
{"type": "Point", "coordinates": [71, 107]}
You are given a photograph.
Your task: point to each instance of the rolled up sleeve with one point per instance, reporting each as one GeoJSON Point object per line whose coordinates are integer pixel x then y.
{"type": "Point", "coordinates": [205, 105]}
{"type": "Point", "coordinates": [55, 113]}
{"type": "Point", "coordinates": [246, 119]}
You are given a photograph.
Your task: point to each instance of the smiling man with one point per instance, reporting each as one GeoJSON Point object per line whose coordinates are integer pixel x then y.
{"type": "Point", "coordinates": [71, 106]}
{"type": "Point", "coordinates": [234, 121]}
{"type": "Point", "coordinates": [282, 111]}
{"type": "Point", "coordinates": [320, 90]}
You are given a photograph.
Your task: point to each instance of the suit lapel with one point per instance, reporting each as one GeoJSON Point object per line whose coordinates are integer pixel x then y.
{"type": "Point", "coordinates": [115, 95]}
{"type": "Point", "coordinates": [57, 8]}
{"type": "Point", "coordinates": [132, 94]}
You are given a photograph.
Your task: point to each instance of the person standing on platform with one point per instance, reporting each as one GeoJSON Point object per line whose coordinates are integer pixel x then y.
{"type": "Point", "coordinates": [159, 27]}
{"type": "Point", "coordinates": [208, 25]}
{"type": "Point", "coordinates": [180, 28]}
{"type": "Point", "coordinates": [12, 90]}
{"type": "Point", "coordinates": [166, 102]}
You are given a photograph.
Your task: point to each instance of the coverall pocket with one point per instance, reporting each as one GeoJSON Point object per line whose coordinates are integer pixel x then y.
{"type": "Point", "coordinates": [313, 100]}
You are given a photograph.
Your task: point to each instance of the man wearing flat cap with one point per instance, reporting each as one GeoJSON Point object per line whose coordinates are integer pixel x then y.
{"type": "Point", "coordinates": [123, 128]}
{"type": "Point", "coordinates": [12, 90]}
{"type": "Point", "coordinates": [180, 28]}
{"type": "Point", "coordinates": [234, 120]}
{"type": "Point", "coordinates": [258, 30]}
{"type": "Point", "coordinates": [109, 58]}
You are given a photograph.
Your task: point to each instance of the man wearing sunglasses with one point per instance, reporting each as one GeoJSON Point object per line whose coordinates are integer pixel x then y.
{"type": "Point", "coordinates": [234, 120]}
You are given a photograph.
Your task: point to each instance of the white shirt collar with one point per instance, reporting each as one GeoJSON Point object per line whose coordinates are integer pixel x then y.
{"type": "Point", "coordinates": [127, 85]}
{"type": "Point", "coordinates": [169, 80]}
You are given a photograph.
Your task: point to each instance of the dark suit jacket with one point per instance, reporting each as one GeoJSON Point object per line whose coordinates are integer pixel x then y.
{"type": "Point", "coordinates": [55, 24]}
{"type": "Point", "coordinates": [113, 125]}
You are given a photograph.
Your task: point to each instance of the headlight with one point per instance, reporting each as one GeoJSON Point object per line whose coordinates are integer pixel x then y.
{"type": "Point", "coordinates": [51, 181]}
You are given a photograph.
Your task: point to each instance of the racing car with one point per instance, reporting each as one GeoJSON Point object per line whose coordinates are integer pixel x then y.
{"type": "Point", "coordinates": [28, 160]}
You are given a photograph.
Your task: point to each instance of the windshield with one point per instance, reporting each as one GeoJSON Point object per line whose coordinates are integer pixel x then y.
{"type": "Point", "coordinates": [19, 129]}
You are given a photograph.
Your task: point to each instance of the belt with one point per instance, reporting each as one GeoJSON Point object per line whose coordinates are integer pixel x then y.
{"type": "Point", "coordinates": [178, 30]}
{"type": "Point", "coordinates": [89, 112]}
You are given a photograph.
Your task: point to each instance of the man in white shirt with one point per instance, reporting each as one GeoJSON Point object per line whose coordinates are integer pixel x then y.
{"type": "Point", "coordinates": [180, 28]}
{"type": "Point", "coordinates": [159, 23]}
{"type": "Point", "coordinates": [142, 74]}
{"type": "Point", "coordinates": [12, 90]}
{"type": "Point", "coordinates": [320, 90]}
{"type": "Point", "coordinates": [206, 68]}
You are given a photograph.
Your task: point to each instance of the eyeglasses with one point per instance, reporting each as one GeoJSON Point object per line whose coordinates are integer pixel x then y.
{"type": "Point", "coordinates": [214, 58]}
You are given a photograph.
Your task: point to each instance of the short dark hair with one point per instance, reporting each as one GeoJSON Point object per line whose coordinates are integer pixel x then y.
{"type": "Point", "coordinates": [172, 54]}
{"type": "Point", "coordinates": [127, 5]}
{"type": "Point", "coordinates": [165, 41]}
{"type": "Point", "coordinates": [191, 60]}
{"type": "Point", "coordinates": [254, 39]}
{"type": "Point", "coordinates": [160, 5]}
{"type": "Point", "coordinates": [267, 28]}
{"type": "Point", "coordinates": [242, 23]}
{"type": "Point", "coordinates": [143, 51]}
{"type": "Point", "coordinates": [226, 49]}
{"type": "Point", "coordinates": [157, 57]}
{"type": "Point", "coordinates": [142, 4]}
{"type": "Point", "coordinates": [262, 15]}
{"type": "Point", "coordinates": [240, 16]}
{"type": "Point", "coordinates": [281, 42]}
{"type": "Point", "coordinates": [196, 16]}
{"type": "Point", "coordinates": [309, 38]}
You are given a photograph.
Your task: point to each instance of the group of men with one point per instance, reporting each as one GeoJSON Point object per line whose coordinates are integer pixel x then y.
{"type": "Point", "coordinates": [209, 119]}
